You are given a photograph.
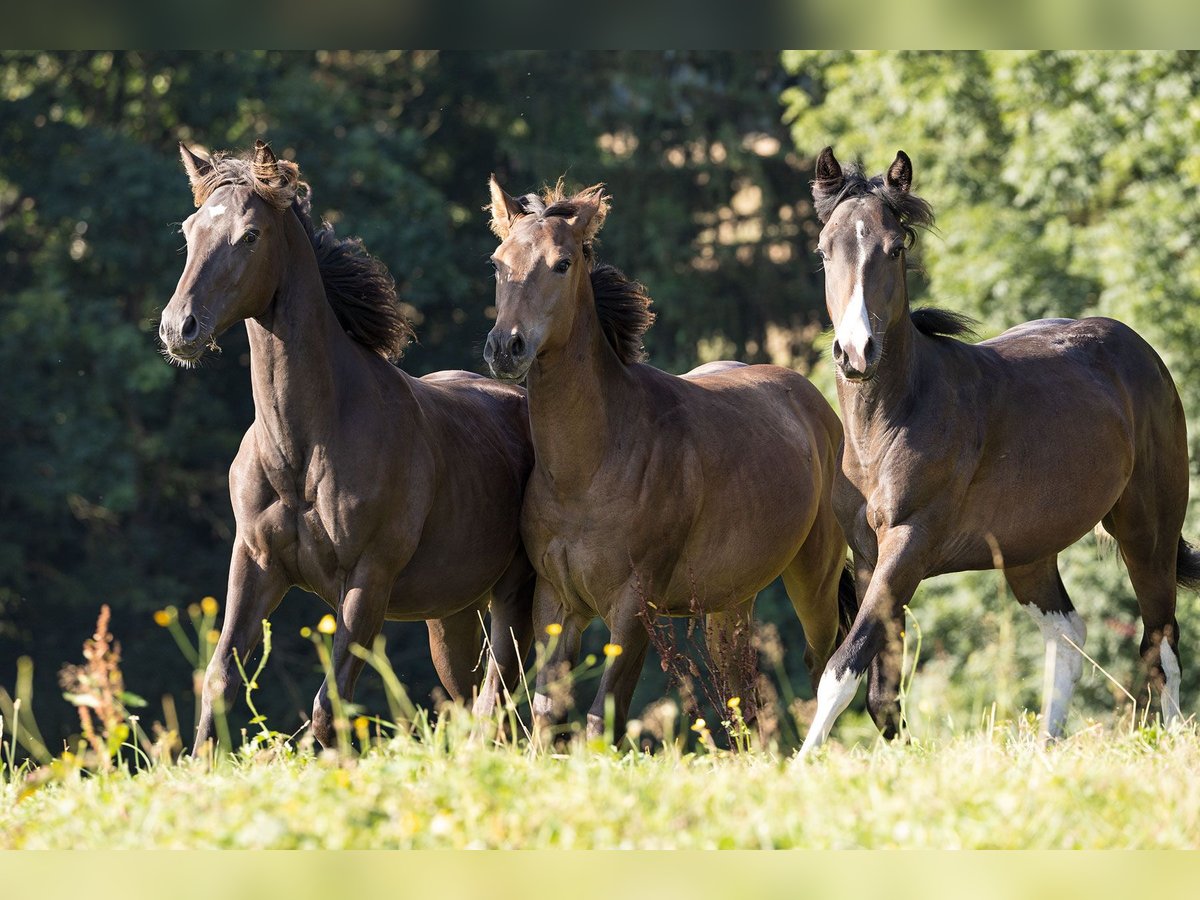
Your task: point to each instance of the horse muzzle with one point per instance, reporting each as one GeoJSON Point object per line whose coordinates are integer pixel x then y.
{"type": "Point", "coordinates": [183, 337]}
{"type": "Point", "coordinates": [508, 356]}
{"type": "Point", "coordinates": [857, 366]}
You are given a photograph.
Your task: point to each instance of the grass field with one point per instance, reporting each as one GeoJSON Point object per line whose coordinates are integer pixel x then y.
{"type": "Point", "coordinates": [1096, 789]}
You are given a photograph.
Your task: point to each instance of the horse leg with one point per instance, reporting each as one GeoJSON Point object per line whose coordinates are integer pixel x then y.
{"type": "Point", "coordinates": [811, 581]}
{"type": "Point", "coordinates": [876, 628]}
{"type": "Point", "coordinates": [456, 645]}
{"type": "Point", "coordinates": [1150, 546]}
{"type": "Point", "coordinates": [728, 635]}
{"type": "Point", "coordinates": [558, 634]}
{"type": "Point", "coordinates": [360, 618]}
{"type": "Point", "coordinates": [254, 593]}
{"type": "Point", "coordinates": [883, 675]}
{"type": "Point", "coordinates": [511, 633]}
{"type": "Point", "coordinates": [622, 670]}
{"type": "Point", "coordinates": [1039, 589]}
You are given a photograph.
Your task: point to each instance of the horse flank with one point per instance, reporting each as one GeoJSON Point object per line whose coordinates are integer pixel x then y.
{"type": "Point", "coordinates": [358, 286]}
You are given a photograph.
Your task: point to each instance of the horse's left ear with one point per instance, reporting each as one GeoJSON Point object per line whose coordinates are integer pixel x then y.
{"type": "Point", "coordinates": [592, 204]}
{"type": "Point", "coordinates": [899, 174]}
{"type": "Point", "coordinates": [504, 209]}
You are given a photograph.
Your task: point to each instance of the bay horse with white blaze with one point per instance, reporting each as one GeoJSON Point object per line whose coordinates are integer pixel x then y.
{"type": "Point", "coordinates": [691, 494]}
{"type": "Point", "coordinates": [390, 497]}
{"type": "Point", "coordinates": [994, 455]}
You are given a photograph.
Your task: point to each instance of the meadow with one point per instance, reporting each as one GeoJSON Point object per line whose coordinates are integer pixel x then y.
{"type": "Point", "coordinates": [416, 780]}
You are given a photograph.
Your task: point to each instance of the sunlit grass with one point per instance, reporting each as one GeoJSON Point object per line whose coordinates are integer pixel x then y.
{"type": "Point", "coordinates": [419, 780]}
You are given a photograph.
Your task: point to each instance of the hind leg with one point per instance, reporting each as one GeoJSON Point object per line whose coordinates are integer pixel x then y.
{"type": "Point", "coordinates": [1039, 589]}
{"type": "Point", "coordinates": [510, 636]}
{"type": "Point", "coordinates": [811, 580]}
{"type": "Point", "coordinates": [728, 635]}
{"type": "Point", "coordinates": [456, 644]}
{"type": "Point", "coordinates": [1152, 572]}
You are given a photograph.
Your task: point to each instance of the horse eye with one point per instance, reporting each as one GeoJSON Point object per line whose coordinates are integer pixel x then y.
{"type": "Point", "coordinates": [895, 254]}
{"type": "Point", "coordinates": [820, 252]}
{"type": "Point", "coordinates": [562, 265]}
{"type": "Point", "coordinates": [250, 237]}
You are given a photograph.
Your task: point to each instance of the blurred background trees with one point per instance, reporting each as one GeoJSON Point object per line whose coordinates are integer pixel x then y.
{"type": "Point", "coordinates": [1065, 184]}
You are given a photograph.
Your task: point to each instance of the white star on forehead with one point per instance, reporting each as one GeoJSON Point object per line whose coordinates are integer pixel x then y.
{"type": "Point", "coordinates": [216, 210]}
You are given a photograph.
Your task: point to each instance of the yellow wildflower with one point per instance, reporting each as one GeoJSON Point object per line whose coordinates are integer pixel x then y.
{"type": "Point", "coordinates": [305, 632]}
{"type": "Point", "coordinates": [327, 625]}
{"type": "Point", "coordinates": [162, 617]}
{"type": "Point", "coordinates": [209, 606]}
{"type": "Point", "coordinates": [611, 650]}
{"type": "Point", "coordinates": [213, 635]}
{"type": "Point", "coordinates": [554, 629]}
{"type": "Point", "coordinates": [733, 702]}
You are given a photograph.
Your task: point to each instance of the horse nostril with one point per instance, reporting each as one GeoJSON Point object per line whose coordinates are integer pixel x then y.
{"type": "Point", "coordinates": [837, 350]}
{"type": "Point", "coordinates": [516, 347]}
{"type": "Point", "coordinates": [870, 345]}
{"type": "Point", "coordinates": [190, 330]}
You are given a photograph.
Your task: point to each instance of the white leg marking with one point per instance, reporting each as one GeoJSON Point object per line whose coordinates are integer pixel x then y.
{"type": "Point", "coordinates": [854, 329]}
{"type": "Point", "coordinates": [216, 209]}
{"type": "Point", "coordinates": [542, 707]}
{"type": "Point", "coordinates": [1064, 664]}
{"type": "Point", "coordinates": [833, 695]}
{"type": "Point", "coordinates": [1170, 698]}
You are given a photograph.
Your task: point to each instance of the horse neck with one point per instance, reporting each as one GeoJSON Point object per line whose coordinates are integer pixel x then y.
{"type": "Point", "coordinates": [576, 394]}
{"type": "Point", "coordinates": [299, 355]}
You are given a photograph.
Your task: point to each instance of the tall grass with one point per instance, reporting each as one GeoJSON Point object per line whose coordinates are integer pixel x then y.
{"type": "Point", "coordinates": [440, 778]}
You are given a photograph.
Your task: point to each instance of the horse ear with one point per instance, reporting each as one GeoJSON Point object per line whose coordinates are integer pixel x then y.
{"type": "Point", "coordinates": [593, 206]}
{"type": "Point", "coordinates": [197, 168]}
{"type": "Point", "coordinates": [828, 181]}
{"type": "Point", "coordinates": [504, 209]}
{"type": "Point", "coordinates": [899, 174]}
{"type": "Point", "coordinates": [266, 166]}
{"type": "Point", "coordinates": [829, 171]}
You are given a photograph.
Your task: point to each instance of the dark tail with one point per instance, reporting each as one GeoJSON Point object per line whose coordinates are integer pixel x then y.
{"type": "Point", "coordinates": [1187, 566]}
{"type": "Point", "coordinates": [848, 596]}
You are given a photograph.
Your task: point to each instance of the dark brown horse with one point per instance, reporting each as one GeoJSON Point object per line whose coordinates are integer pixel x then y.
{"type": "Point", "coordinates": [994, 455]}
{"type": "Point", "coordinates": [688, 493]}
{"type": "Point", "coordinates": [391, 497]}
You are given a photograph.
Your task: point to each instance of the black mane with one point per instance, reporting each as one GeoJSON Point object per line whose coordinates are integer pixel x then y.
{"type": "Point", "coordinates": [942, 322]}
{"type": "Point", "coordinates": [623, 306]}
{"type": "Point", "coordinates": [358, 286]}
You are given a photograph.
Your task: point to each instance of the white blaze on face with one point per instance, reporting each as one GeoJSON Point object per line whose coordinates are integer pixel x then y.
{"type": "Point", "coordinates": [216, 210]}
{"type": "Point", "coordinates": [854, 329]}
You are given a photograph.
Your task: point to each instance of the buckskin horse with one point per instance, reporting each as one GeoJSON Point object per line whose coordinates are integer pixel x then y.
{"type": "Point", "coordinates": [390, 497]}
{"type": "Point", "coordinates": [689, 494]}
{"type": "Point", "coordinates": [993, 455]}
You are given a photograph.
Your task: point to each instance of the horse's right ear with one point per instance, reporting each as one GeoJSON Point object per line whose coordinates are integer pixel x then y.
{"type": "Point", "coordinates": [504, 209]}
{"type": "Point", "coordinates": [197, 168]}
{"type": "Point", "coordinates": [829, 176]}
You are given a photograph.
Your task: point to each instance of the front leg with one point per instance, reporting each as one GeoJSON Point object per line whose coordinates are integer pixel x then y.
{"type": "Point", "coordinates": [557, 634]}
{"type": "Point", "coordinates": [902, 565]}
{"type": "Point", "coordinates": [360, 618]}
{"type": "Point", "coordinates": [254, 593]}
{"type": "Point", "coordinates": [622, 669]}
